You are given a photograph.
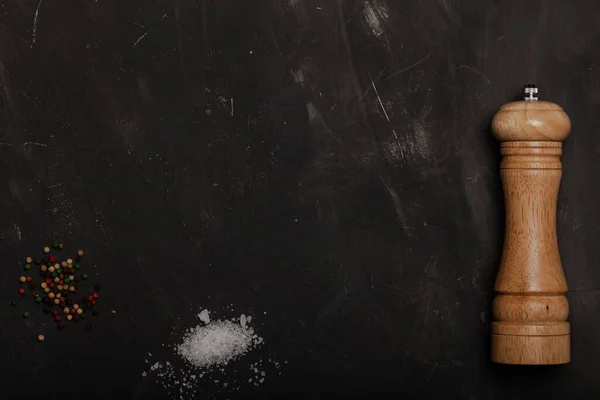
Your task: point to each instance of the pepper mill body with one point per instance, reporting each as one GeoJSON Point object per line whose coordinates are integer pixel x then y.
{"type": "Point", "coordinates": [530, 310]}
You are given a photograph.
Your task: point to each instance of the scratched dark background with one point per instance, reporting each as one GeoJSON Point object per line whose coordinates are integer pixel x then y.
{"type": "Point", "coordinates": [328, 163]}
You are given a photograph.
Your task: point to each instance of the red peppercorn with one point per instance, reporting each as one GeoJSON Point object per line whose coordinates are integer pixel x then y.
{"type": "Point", "coordinates": [95, 295]}
{"type": "Point", "coordinates": [48, 281]}
{"type": "Point", "coordinates": [73, 311]}
{"type": "Point", "coordinates": [62, 298]}
{"type": "Point", "coordinates": [57, 318]}
{"type": "Point", "coordinates": [28, 279]}
{"type": "Point", "coordinates": [21, 291]}
{"type": "Point", "coordinates": [51, 284]}
{"type": "Point", "coordinates": [94, 302]}
{"type": "Point", "coordinates": [90, 298]}
{"type": "Point", "coordinates": [52, 259]}
{"type": "Point", "coordinates": [61, 282]}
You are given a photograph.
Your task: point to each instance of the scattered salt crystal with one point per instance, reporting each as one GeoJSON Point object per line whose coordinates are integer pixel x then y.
{"type": "Point", "coordinates": [204, 316]}
{"type": "Point", "coordinates": [249, 318]}
{"type": "Point", "coordinates": [243, 321]}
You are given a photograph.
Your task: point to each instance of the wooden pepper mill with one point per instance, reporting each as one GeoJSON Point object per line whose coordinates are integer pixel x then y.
{"type": "Point", "coordinates": [530, 311]}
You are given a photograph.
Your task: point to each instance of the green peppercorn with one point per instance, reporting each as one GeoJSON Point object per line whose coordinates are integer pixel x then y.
{"type": "Point", "coordinates": [27, 267]}
{"type": "Point", "coordinates": [25, 314]}
{"type": "Point", "coordinates": [13, 303]}
{"type": "Point", "coordinates": [84, 276]}
{"type": "Point", "coordinates": [55, 245]}
{"type": "Point", "coordinates": [38, 299]}
{"type": "Point", "coordinates": [66, 280]}
{"type": "Point", "coordinates": [77, 266]}
{"type": "Point", "coordinates": [54, 274]}
{"type": "Point", "coordinates": [59, 270]}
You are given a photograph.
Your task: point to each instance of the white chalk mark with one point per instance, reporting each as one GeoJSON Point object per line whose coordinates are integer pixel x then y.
{"type": "Point", "coordinates": [7, 144]}
{"type": "Point", "coordinates": [17, 230]}
{"type": "Point", "coordinates": [422, 60]}
{"type": "Point", "coordinates": [489, 82]}
{"type": "Point", "coordinates": [140, 38]}
{"type": "Point", "coordinates": [231, 113]}
{"type": "Point", "coordinates": [35, 143]}
{"type": "Point", "coordinates": [380, 102]}
{"type": "Point", "coordinates": [35, 19]}
{"type": "Point", "coordinates": [375, 15]}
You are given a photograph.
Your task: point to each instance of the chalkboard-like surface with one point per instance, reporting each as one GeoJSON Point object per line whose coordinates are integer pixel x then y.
{"type": "Point", "coordinates": [324, 166]}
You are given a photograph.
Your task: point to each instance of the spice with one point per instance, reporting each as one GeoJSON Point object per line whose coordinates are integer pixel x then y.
{"type": "Point", "coordinates": [79, 311]}
{"type": "Point", "coordinates": [13, 303]}
{"type": "Point", "coordinates": [51, 269]}
{"type": "Point", "coordinates": [61, 246]}
{"type": "Point", "coordinates": [215, 344]}
{"type": "Point", "coordinates": [71, 288]}
{"type": "Point", "coordinates": [28, 260]}
{"type": "Point", "coordinates": [63, 264]}
{"type": "Point", "coordinates": [25, 314]}
{"type": "Point", "coordinates": [80, 253]}
{"type": "Point", "coordinates": [76, 306]}
{"type": "Point", "coordinates": [95, 295]}
{"type": "Point", "coordinates": [21, 291]}
{"type": "Point", "coordinates": [52, 259]}
{"type": "Point", "coordinates": [69, 317]}
{"type": "Point", "coordinates": [84, 276]}
{"type": "Point", "coordinates": [77, 266]}
{"type": "Point", "coordinates": [41, 338]}
{"type": "Point", "coordinates": [46, 249]}
{"type": "Point", "coordinates": [38, 299]}
{"type": "Point", "coordinates": [22, 279]}
{"type": "Point", "coordinates": [61, 324]}
{"type": "Point", "coordinates": [27, 267]}
{"type": "Point", "coordinates": [56, 301]}
{"type": "Point", "coordinates": [69, 261]}
{"type": "Point", "coordinates": [60, 287]}
{"type": "Point", "coordinates": [66, 310]}
{"type": "Point", "coordinates": [51, 295]}
{"type": "Point", "coordinates": [46, 289]}
{"type": "Point", "coordinates": [43, 268]}
{"type": "Point", "coordinates": [57, 318]}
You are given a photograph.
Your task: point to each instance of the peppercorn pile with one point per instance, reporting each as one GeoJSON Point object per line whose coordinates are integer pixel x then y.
{"type": "Point", "coordinates": [59, 287]}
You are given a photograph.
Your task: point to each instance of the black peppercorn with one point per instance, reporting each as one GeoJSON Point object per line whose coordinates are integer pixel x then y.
{"type": "Point", "coordinates": [55, 312]}
{"type": "Point", "coordinates": [31, 285]}
{"type": "Point", "coordinates": [62, 304]}
{"type": "Point", "coordinates": [60, 324]}
{"type": "Point", "coordinates": [89, 305]}
{"type": "Point", "coordinates": [38, 261]}
{"type": "Point", "coordinates": [69, 302]}
{"type": "Point", "coordinates": [75, 317]}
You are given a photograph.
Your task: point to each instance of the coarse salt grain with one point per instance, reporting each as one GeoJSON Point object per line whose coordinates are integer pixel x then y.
{"type": "Point", "coordinates": [204, 316]}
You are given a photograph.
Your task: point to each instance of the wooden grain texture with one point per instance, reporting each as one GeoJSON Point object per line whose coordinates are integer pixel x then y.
{"type": "Point", "coordinates": [531, 309]}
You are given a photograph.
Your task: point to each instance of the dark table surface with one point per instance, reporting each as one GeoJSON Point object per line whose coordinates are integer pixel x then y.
{"type": "Point", "coordinates": [324, 166]}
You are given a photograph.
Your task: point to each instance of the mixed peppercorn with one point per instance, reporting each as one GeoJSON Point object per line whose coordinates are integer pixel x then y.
{"type": "Point", "coordinates": [59, 289]}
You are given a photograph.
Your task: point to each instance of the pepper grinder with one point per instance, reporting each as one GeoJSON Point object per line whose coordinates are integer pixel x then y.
{"type": "Point", "coordinates": [530, 310]}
